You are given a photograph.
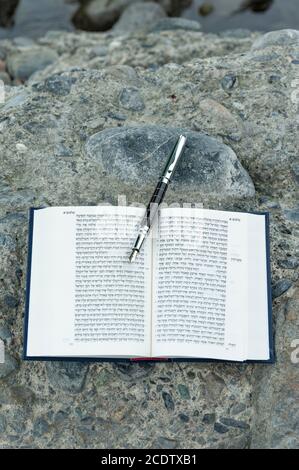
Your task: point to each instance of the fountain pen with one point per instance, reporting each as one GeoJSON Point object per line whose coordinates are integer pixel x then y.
{"type": "Point", "coordinates": [158, 196]}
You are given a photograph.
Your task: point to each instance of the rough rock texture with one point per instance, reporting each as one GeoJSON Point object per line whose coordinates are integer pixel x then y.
{"type": "Point", "coordinates": [236, 101]}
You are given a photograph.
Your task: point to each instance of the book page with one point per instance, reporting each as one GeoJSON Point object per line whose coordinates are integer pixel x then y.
{"type": "Point", "coordinates": [201, 284]}
{"type": "Point", "coordinates": [86, 299]}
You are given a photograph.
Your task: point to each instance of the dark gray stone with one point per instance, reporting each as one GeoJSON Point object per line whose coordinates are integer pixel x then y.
{"type": "Point", "coordinates": [171, 24]}
{"type": "Point", "coordinates": [132, 372]}
{"type": "Point", "coordinates": [131, 99]}
{"type": "Point", "coordinates": [10, 365]}
{"type": "Point", "coordinates": [130, 153]}
{"type": "Point", "coordinates": [228, 82]}
{"type": "Point", "coordinates": [67, 376]}
{"type": "Point", "coordinates": [234, 423]}
{"type": "Point", "coordinates": [184, 418]}
{"type": "Point", "coordinates": [40, 427]}
{"type": "Point", "coordinates": [289, 263]}
{"type": "Point", "coordinates": [3, 424]}
{"type": "Point", "coordinates": [58, 85]}
{"type": "Point", "coordinates": [209, 418]}
{"type": "Point", "coordinates": [165, 443]}
{"type": "Point", "coordinates": [220, 428]}
{"type": "Point", "coordinates": [280, 287]}
{"type": "Point", "coordinates": [292, 214]}
{"type": "Point", "coordinates": [23, 63]}
{"type": "Point", "coordinates": [168, 401]}
{"type": "Point", "coordinates": [11, 301]}
{"type": "Point", "coordinates": [5, 333]}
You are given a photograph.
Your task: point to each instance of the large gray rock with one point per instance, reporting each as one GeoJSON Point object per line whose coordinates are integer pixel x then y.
{"type": "Point", "coordinates": [137, 155]}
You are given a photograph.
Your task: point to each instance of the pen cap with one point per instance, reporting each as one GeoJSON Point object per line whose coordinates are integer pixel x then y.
{"type": "Point", "coordinates": [174, 158]}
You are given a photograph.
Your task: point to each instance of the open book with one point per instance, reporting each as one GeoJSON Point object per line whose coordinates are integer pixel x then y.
{"type": "Point", "coordinates": [198, 290]}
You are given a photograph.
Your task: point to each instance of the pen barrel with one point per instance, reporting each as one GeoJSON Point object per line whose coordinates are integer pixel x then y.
{"type": "Point", "coordinates": [153, 206]}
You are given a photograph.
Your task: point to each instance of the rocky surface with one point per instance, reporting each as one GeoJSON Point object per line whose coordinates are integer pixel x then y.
{"type": "Point", "coordinates": [236, 95]}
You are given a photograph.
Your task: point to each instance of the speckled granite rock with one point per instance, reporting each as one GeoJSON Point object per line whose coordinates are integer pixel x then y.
{"type": "Point", "coordinates": [238, 98]}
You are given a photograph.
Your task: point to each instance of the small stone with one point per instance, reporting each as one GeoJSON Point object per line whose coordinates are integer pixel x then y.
{"type": "Point", "coordinates": [22, 64]}
{"type": "Point", "coordinates": [21, 147]}
{"type": "Point", "coordinates": [11, 301]}
{"type": "Point", "coordinates": [63, 151]}
{"type": "Point", "coordinates": [184, 392]}
{"type": "Point", "coordinates": [280, 287]}
{"type": "Point", "coordinates": [209, 418]}
{"type": "Point", "coordinates": [230, 422]}
{"type": "Point", "coordinates": [5, 78]}
{"type": "Point", "coordinates": [40, 427]}
{"type": "Point", "coordinates": [5, 333]}
{"type": "Point", "coordinates": [67, 376]}
{"type": "Point", "coordinates": [9, 366]}
{"type": "Point", "coordinates": [292, 214]}
{"type": "Point", "coordinates": [168, 401]}
{"type": "Point", "coordinates": [58, 85]}
{"type": "Point", "coordinates": [165, 443]}
{"type": "Point", "coordinates": [22, 395]}
{"type": "Point", "coordinates": [237, 408]}
{"type": "Point", "coordinates": [131, 99]}
{"type": "Point", "coordinates": [103, 377]}
{"type": "Point", "coordinates": [218, 427]}
{"type": "Point", "coordinates": [228, 82]}
{"type": "Point", "coordinates": [289, 263]}
{"type": "Point", "coordinates": [3, 424]}
{"type": "Point", "coordinates": [283, 37]}
{"type": "Point", "coordinates": [184, 418]}
{"type": "Point", "coordinates": [172, 24]}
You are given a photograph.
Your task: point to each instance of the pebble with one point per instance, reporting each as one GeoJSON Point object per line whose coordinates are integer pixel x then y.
{"type": "Point", "coordinates": [209, 418]}
{"type": "Point", "coordinates": [5, 333]}
{"type": "Point", "coordinates": [184, 392]}
{"type": "Point", "coordinates": [292, 214]}
{"type": "Point", "coordinates": [280, 287]}
{"type": "Point", "coordinates": [228, 82]}
{"type": "Point", "coordinates": [67, 376]}
{"type": "Point", "coordinates": [289, 263]}
{"type": "Point", "coordinates": [233, 423]}
{"type": "Point", "coordinates": [168, 401]}
{"type": "Point", "coordinates": [40, 427]}
{"type": "Point", "coordinates": [220, 428]}
{"type": "Point", "coordinates": [3, 424]}
{"type": "Point", "coordinates": [184, 418]}
{"type": "Point", "coordinates": [131, 99]}
{"type": "Point", "coordinates": [10, 365]}
{"type": "Point", "coordinates": [58, 85]}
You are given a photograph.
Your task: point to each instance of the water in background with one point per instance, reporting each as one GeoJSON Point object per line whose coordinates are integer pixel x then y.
{"type": "Point", "coordinates": [33, 18]}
